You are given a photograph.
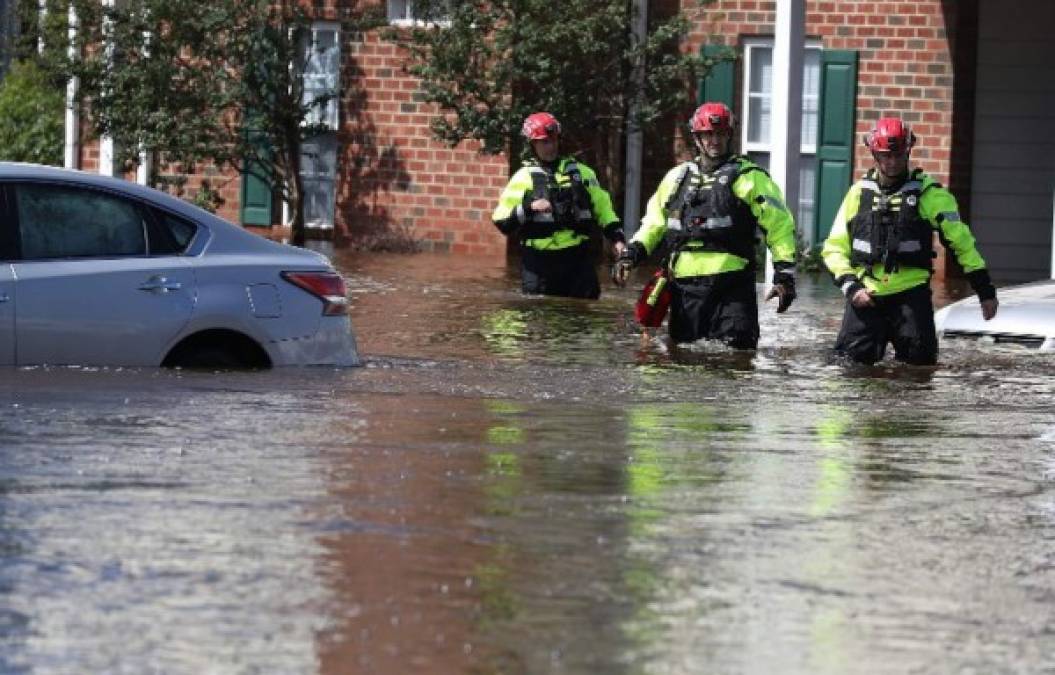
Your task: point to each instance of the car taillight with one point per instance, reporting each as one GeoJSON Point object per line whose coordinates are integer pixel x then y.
{"type": "Point", "coordinates": [326, 286]}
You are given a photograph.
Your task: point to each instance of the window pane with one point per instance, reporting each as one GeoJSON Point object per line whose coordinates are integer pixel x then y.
{"type": "Point", "coordinates": [318, 170]}
{"type": "Point", "coordinates": [404, 11]}
{"type": "Point", "coordinates": [169, 235]}
{"type": "Point", "coordinates": [58, 222]}
{"type": "Point", "coordinates": [807, 187]}
{"type": "Point", "coordinates": [811, 90]}
{"type": "Point", "coordinates": [322, 67]}
{"type": "Point", "coordinates": [399, 10]}
{"type": "Point", "coordinates": [760, 91]}
{"type": "Point", "coordinates": [182, 230]}
{"type": "Point", "coordinates": [760, 88]}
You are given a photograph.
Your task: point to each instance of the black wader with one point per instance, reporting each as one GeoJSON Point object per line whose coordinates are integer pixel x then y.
{"type": "Point", "coordinates": [716, 306]}
{"type": "Point", "coordinates": [905, 319]}
{"type": "Point", "coordinates": [567, 272]}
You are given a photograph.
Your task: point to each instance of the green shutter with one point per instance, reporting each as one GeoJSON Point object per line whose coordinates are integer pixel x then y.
{"type": "Point", "coordinates": [835, 136]}
{"type": "Point", "coordinates": [256, 196]}
{"type": "Point", "coordinates": [719, 82]}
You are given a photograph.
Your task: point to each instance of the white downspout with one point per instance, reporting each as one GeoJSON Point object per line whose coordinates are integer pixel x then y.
{"type": "Point", "coordinates": [785, 132]}
{"type": "Point", "coordinates": [146, 159]}
{"type": "Point", "coordinates": [634, 136]}
{"type": "Point", "coordinates": [73, 118]}
{"type": "Point", "coordinates": [106, 142]}
{"type": "Point", "coordinates": [42, 15]}
{"type": "Point", "coordinates": [143, 170]}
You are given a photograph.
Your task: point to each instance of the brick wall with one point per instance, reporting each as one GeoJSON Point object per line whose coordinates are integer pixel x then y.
{"type": "Point", "coordinates": [395, 180]}
{"type": "Point", "coordinates": [908, 65]}
{"type": "Point", "coordinates": [905, 67]}
{"type": "Point", "coordinates": [394, 176]}
{"type": "Point", "coordinates": [905, 62]}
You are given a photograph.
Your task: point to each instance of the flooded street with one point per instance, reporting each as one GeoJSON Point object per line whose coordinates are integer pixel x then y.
{"type": "Point", "coordinates": [523, 485]}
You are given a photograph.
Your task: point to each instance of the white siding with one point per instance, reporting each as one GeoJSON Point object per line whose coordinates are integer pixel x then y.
{"type": "Point", "coordinates": [1013, 177]}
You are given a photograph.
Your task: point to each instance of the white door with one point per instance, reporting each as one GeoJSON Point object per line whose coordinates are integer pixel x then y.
{"type": "Point", "coordinates": [7, 316]}
{"type": "Point", "coordinates": [89, 292]}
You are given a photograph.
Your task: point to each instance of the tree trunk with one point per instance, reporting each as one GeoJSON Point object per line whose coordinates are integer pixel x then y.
{"type": "Point", "coordinates": [296, 194]}
{"type": "Point", "coordinates": [296, 205]}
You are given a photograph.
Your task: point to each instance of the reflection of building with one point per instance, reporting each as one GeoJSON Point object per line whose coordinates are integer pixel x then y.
{"type": "Point", "coordinates": [970, 75]}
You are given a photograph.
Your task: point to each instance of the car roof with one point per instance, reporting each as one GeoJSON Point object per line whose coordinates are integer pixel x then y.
{"type": "Point", "coordinates": [22, 171]}
{"type": "Point", "coordinates": [225, 236]}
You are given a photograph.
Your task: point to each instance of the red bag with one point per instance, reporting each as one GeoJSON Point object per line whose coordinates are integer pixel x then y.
{"type": "Point", "coordinates": [654, 302]}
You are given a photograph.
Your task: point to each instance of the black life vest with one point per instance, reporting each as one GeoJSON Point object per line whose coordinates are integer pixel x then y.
{"type": "Point", "coordinates": [703, 210]}
{"type": "Point", "coordinates": [888, 229]}
{"type": "Point", "coordinates": [572, 206]}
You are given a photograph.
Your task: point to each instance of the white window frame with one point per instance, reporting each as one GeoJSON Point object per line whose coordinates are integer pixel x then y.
{"type": "Point", "coordinates": [750, 45]}
{"type": "Point", "coordinates": [807, 207]}
{"type": "Point", "coordinates": [333, 108]}
{"type": "Point", "coordinates": [401, 13]}
{"type": "Point", "coordinates": [331, 123]}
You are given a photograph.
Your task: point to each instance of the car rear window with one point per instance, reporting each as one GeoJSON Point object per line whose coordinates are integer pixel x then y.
{"type": "Point", "coordinates": [170, 234]}
{"type": "Point", "coordinates": [64, 222]}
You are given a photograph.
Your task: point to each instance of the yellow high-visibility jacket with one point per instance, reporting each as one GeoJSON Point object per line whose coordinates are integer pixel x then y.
{"type": "Point", "coordinates": [510, 214]}
{"type": "Point", "coordinates": [754, 188]}
{"type": "Point", "coordinates": [936, 205]}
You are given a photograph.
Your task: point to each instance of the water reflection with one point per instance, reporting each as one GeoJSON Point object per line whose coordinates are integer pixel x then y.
{"type": "Point", "coordinates": [650, 509]}
{"type": "Point", "coordinates": [521, 485]}
{"type": "Point", "coordinates": [557, 329]}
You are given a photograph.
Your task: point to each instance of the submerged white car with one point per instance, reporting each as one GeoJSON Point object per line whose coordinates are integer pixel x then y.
{"type": "Point", "coordinates": [101, 271]}
{"type": "Point", "coordinates": [1026, 317]}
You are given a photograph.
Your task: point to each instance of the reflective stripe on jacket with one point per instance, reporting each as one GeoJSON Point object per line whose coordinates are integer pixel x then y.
{"type": "Point", "coordinates": [888, 229]}
{"type": "Point", "coordinates": [760, 200]}
{"type": "Point", "coordinates": [561, 193]}
{"type": "Point", "coordinates": [936, 206]}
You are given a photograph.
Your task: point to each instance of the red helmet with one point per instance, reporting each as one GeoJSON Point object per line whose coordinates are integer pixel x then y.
{"type": "Point", "coordinates": [711, 117]}
{"type": "Point", "coordinates": [539, 126]}
{"type": "Point", "coordinates": [890, 135]}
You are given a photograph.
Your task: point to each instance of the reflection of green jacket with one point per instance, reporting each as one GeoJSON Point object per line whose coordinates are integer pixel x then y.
{"type": "Point", "coordinates": [511, 213]}
{"type": "Point", "coordinates": [754, 188]}
{"type": "Point", "coordinates": [936, 205]}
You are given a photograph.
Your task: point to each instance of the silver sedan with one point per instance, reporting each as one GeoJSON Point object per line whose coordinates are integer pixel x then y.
{"type": "Point", "coordinates": [100, 271]}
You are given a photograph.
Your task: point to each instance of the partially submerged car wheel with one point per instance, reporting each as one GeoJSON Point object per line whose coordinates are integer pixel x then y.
{"type": "Point", "coordinates": [218, 349]}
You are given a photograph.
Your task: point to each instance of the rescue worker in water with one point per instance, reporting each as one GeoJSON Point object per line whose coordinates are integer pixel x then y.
{"type": "Point", "coordinates": [551, 204]}
{"type": "Point", "coordinates": [708, 211]}
{"type": "Point", "coordinates": [880, 252]}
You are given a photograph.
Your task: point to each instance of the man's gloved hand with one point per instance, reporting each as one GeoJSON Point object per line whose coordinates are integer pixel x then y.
{"type": "Point", "coordinates": [627, 260]}
{"type": "Point", "coordinates": [783, 289]}
{"type": "Point", "coordinates": [621, 269]}
{"type": "Point", "coordinates": [854, 291]}
{"type": "Point", "coordinates": [989, 308]}
{"type": "Point", "coordinates": [983, 287]}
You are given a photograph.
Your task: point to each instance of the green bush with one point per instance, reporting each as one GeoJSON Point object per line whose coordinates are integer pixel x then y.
{"type": "Point", "coordinates": [31, 116]}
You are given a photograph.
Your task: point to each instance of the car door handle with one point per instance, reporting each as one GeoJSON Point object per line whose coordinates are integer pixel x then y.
{"type": "Point", "coordinates": [4, 297]}
{"type": "Point", "coordinates": [160, 285]}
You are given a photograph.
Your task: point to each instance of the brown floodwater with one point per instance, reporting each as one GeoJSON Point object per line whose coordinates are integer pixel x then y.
{"type": "Point", "coordinates": [525, 485]}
